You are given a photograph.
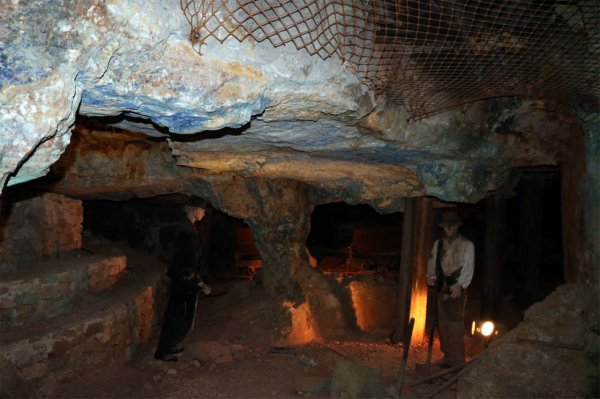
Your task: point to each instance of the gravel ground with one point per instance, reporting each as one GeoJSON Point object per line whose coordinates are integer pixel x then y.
{"type": "Point", "coordinates": [255, 370]}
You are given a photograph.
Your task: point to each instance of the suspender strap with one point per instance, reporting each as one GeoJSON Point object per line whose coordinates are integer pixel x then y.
{"type": "Point", "coordinates": [443, 281]}
{"type": "Point", "coordinates": [439, 273]}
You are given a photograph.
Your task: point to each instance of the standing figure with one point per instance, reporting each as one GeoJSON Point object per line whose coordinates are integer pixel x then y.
{"type": "Point", "coordinates": [450, 269]}
{"type": "Point", "coordinates": [184, 288]}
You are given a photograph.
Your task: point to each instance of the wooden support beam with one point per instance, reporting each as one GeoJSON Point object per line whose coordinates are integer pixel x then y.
{"type": "Point", "coordinates": [404, 276]}
{"type": "Point", "coordinates": [495, 227]}
{"type": "Point", "coordinates": [417, 239]}
{"type": "Point", "coordinates": [573, 186]}
{"type": "Point", "coordinates": [551, 344]}
{"type": "Point", "coordinates": [435, 233]}
{"type": "Point", "coordinates": [530, 233]}
{"type": "Point", "coordinates": [423, 231]}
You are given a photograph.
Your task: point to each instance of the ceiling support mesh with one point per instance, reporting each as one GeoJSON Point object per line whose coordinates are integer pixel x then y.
{"type": "Point", "coordinates": [428, 56]}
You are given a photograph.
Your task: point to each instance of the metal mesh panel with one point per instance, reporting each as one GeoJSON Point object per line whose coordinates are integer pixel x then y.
{"type": "Point", "coordinates": [428, 56]}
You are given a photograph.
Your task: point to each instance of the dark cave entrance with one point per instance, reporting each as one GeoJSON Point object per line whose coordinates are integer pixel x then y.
{"type": "Point", "coordinates": [359, 249]}
{"type": "Point", "coordinates": [534, 263]}
{"type": "Point", "coordinates": [227, 246]}
{"type": "Point", "coordinates": [518, 245]}
{"type": "Point", "coordinates": [351, 239]}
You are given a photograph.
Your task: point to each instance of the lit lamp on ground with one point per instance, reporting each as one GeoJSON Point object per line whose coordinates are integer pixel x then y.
{"type": "Point", "coordinates": [483, 328]}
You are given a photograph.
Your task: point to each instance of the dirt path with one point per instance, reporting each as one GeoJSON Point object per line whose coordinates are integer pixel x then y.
{"type": "Point", "coordinates": [257, 374]}
{"type": "Point", "coordinates": [242, 324]}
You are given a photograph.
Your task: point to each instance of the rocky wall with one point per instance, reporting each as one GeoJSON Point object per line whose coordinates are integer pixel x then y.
{"type": "Point", "coordinates": [39, 228]}
{"type": "Point", "coordinates": [112, 336]}
{"type": "Point", "coordinates": [553, 353]}
{"type": "Point", "coordinates": [375, 303]}
{"type": "Point", "coordinates": [26, 298]}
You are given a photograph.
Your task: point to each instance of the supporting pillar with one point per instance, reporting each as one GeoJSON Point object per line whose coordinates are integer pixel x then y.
{"type": "Point", "coordinates": [573, 182]}
{"type": "Point", "coordinates": [530, 233]}
{"type": "Point", "coordinates": [581, 202]}
{"type": "Point", "coordinates": [404, 277]}
{"type": "Point", "coordinates": [495, 226]}
{"type": "Point", "coordinates": [423, 240]}
{"type": "Point", "coordinates": [417, 238]}
{"type": "Point", "coordinates": [591, 199]}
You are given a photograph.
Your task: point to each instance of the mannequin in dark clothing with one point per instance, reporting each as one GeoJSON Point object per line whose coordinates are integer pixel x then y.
{"type": "Point", "coordinates": [184, 289]}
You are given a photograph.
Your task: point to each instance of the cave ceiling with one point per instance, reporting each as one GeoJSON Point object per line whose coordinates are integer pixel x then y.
{"type": "Point", "coordinates": [79, 76]}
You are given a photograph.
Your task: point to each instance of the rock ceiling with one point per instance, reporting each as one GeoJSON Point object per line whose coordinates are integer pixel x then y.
{"type": "Point", "coordinates": [241, 108]}
{"type": "Point", "coordinates": [427, 56]}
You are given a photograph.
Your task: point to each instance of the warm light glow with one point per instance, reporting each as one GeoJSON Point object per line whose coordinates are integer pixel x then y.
{"type": "Point", "coordinates": [418, 311]}
{"type": "Point", "coordinates": [362, 316]}
{"type": "Point", "coordinates": [302, 330]}
{"type": "Point", "coordinates": [487, 328]}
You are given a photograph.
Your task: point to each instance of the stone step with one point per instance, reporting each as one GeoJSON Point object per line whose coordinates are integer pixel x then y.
{"type": "Point", "coordinates": [47, 289]}
{"type": "Point", "coordinates": [103, 327]}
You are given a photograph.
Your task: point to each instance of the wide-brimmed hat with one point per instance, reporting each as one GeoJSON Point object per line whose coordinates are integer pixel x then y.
{"type": "Point", "coordinates": [450, 219]}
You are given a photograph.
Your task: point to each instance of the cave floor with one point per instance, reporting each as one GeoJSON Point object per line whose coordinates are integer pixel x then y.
{"type": "Point", "coordinates": [244, 319]}
{"type": "Point", "coordinates": [260, 373]}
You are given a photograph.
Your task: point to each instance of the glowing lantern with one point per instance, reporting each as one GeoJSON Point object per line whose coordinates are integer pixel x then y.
{"type": "Point", "coordinates": [485, 328]}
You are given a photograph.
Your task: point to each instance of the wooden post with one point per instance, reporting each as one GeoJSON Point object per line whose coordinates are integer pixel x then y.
{"type": "Point", "coordinates": [495, 226]}
{"type": "Point", "coordinates": [530, 239]}
{"type": "Point", "coordinates": [423, 233]}
{"type": "Point", "coordinates": [573, 183]}
{"type": "Point", "coordinates": [404, 276]}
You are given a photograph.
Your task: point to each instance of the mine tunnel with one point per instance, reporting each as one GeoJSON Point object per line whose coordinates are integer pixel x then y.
{"type": "Point", "coordinates": [283, 199]}
{"type": "Point", "coordinates": [355, 252]}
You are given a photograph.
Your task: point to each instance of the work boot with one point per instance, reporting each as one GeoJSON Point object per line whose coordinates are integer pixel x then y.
{"type": "Point", "coordinates": [177, 350]}
{"type": "Point", "coordinates": [165, 358]}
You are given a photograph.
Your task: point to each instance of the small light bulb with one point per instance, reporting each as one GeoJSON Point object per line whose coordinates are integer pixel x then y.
{"type": "Point", "coordinates": [487, 328]}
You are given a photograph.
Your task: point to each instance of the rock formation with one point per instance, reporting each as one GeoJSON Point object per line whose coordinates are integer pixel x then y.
{"type": "Point", "coordinates": [109, 100]}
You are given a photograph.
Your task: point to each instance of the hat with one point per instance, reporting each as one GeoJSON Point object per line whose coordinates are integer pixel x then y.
{"type": "Point", "coordinates": [196, 202]}
{"type": "Point", "coordinates": [450, 219]}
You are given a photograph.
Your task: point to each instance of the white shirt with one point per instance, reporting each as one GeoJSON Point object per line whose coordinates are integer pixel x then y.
{"type": "Point", "coordinates": [460, 253]}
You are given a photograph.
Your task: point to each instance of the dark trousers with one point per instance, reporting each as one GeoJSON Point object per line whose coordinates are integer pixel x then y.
{"type": "Point", "coordinates": [178, 319]}
{"type": "Point", "coordinates": [451, 325]}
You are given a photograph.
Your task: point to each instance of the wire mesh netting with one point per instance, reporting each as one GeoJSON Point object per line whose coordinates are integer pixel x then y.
{"type": "Point", "coordinates": [428, 56]}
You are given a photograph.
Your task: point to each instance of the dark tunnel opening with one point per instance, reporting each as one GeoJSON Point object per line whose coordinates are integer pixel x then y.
{"type": "Point", "coordinates": [227, 247]}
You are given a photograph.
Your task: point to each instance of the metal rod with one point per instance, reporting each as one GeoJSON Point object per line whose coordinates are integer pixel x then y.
{"type": "Point", "coordinates": [411, 324]}
{"type": "Point", "coordinates": [443, 373]}
{"type": "Point", "coordinates": [551, 344]}
{"type": "Point", "coordinates": [447, 384]}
